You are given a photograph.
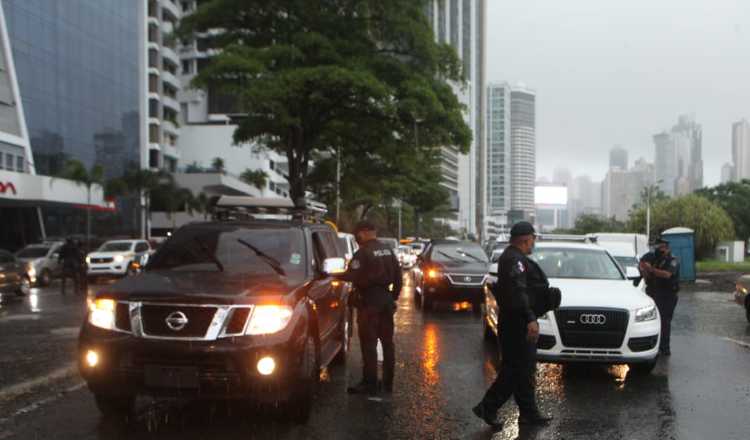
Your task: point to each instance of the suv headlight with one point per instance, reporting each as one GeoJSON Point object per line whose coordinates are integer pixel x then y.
{"type": "Point", "coordinates": [119, 258]}
{"type": "Point", "coordinates": [269, 319]}
{"type": "Point", "coordinates": [645, 314]}
{"type": "Point", "coordinates": [102, 313]}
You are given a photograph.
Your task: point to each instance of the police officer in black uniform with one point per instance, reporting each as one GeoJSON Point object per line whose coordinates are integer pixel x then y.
{"type": "Point", "coordinates": [519, 332]}
{"type": "Point", "coordinates": [376, 276]}
{"type": "Point", "coordinates": [661, 270]}
{"type": "Point", "coordinates": [71, 260]}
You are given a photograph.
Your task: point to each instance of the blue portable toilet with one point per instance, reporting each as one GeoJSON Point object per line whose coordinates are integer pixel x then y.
{"type": "Point", "coordinates": [682, 243]}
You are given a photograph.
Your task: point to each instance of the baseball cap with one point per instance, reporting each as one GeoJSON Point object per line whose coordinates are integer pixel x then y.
{"type": "Point", "coordinates": [522, 228]}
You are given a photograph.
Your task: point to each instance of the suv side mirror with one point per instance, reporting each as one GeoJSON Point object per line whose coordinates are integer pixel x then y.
{"type": "Point", "coordinates": [493, 268]}
{"type": "Point", "coordinates": [333, 266]}
{"type": "Point", "coordinates": [634, 275]}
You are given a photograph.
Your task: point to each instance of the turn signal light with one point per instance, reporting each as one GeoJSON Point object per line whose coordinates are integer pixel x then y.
{"type": "Point", "coordinates": [434, 274]}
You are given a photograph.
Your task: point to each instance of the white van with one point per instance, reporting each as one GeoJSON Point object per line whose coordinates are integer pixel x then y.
{"type": "Point", "coordinates": [626, 248]}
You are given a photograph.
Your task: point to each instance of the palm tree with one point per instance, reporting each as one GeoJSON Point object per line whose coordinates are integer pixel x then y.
{"type": "Point", "coordinates": [218, 165]}
{"type": "Point", "coordinates": [200, 204]}
{"type": "Point", "coordinates": [76, 171]}
{"type": "Point", "coordinates": [172, 199]}
{"type": "Point", "coordinates": [256, 178]}
{"type": "Point", "coordinates": [141, 183]}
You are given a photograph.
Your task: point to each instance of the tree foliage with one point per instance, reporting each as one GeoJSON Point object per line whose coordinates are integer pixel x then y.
{"type": "Point", "coordinates": [317, 76]}
{"type": "Point", "coordinates": [734, 197]}
{"type": "Point", "coordinates": [256, 178]}
{"type": "Point", "coordinates": [710, 222]}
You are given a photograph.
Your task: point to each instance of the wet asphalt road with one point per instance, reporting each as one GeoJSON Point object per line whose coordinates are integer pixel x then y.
{"type": "Point", "coordinates": [701, 392]}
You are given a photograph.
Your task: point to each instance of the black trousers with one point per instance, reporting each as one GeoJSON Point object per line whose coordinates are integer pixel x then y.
{"type": "Point", "coordinates": [376, 323]}
{"type": "Point", "coordinates": [666, 301]}
{"type": "Point", "coordinates": [75, 274]}
{"type": "Point", "coordinates": [517, 375]}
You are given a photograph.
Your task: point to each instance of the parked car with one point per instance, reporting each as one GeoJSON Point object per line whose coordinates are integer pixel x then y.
{"type": "Point", "coordinates": [230, 309]}
{"type": "Point", "coordinates": [451, 270]}
{"type": "Point", "coordinates": [43, 258]}
{"type": "Point", "coordinates": [15, 275]}
{"type": "Point", "coordinates": [349, 245]}
{"type": "Point", "coordinates": [118, 258]}
{"type": "Point", "coordinates": [741, 297]}
{"type": "Point", "coordinates": [406, 256]}
{"type": "Point", "coordinates": [603, 317]}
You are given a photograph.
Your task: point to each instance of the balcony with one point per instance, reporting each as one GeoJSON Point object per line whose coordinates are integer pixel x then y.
{"type": "Point", "coordinates": [172, 80]}
{"type": "Point", "coordinates": [171, 102]}
{"type": "Point", "coordinates": [170, 127]}
{"type": "Point", "coordinates": [170, 151]}
{"type": "Point", "coordinates": [169, 54]}
{"type": "Point", "coordinates": [170, 7]}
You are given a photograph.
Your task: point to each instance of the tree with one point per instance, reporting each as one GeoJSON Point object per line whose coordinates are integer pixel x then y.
{"type": "Point", "coordinates": [315, 76]}
{"type": "Point", "coordinates": [709, 221]}
{"type": "Point", "coordinates": [256, 178]}
{"type": "Point", "coordinates": [77, 172]}
{"type": "Point", "coordinates": [171, 198]}
{"type": "Point", "coordinates": [591, 223]}
{"type": "Point", "coordinates": [140, 184]}
{"type": "Point", "coordinates": [217, 165]}
{"type": "Point", "coordinates": [734, 197]}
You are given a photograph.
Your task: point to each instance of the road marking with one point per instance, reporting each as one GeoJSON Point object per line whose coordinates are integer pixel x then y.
{"type": "Point", "coordinates": [740, 343]}
{"type": "Point", "coordinates": [22, 387]}
{"type": "Point", "coordinates": [36, 405]}
{"type": "Point", "coordinates": [23, 317]}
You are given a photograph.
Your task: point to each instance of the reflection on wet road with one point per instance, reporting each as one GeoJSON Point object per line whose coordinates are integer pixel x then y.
{"type": "Point", "coordinates": [443, 368]}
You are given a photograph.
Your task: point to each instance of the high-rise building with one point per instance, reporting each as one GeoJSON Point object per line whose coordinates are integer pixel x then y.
{"type": "Point", "coordinates": [461, 23]}
{"type": "Point", "coordinates": [164, 84]}
{"type": "Point", "coordinates": [622, 189]}
{"type": "Point", "coordinates": [618, 158]}
{"type": "Point", "coordinates": [679, 158]}
{"type": "Point", "coordinates": [70, 90]}
{"type": "Point", "coordinates": [522, 152]}
{"type": "Point", "coordinates": [741, 149]}
{"type": "Point", "coordinates": [585, 198]}
{"type": "Point", "coordinates": [497, 161]}
{"type": "Point", "coordinates": [727, 173]}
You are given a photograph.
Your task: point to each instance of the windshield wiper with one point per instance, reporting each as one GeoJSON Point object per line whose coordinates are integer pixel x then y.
{"type": "Point", "coordinates": [474, 257]}
{"type": "Point", "coordinates": [210, 255]}
{"type": "Point", "coordinates": [271, 261]}
{"type": "Point", "coordinates": [452, 257]}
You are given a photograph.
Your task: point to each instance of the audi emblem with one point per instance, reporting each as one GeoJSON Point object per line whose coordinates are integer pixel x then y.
{"type": "Point", "coordinates": [176, 321]}
{"type": "Point", "coordinates": [592, 319]}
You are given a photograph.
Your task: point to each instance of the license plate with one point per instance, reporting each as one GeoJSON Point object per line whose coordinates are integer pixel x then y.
{"type": "Point", "coordinates": [158, 376]}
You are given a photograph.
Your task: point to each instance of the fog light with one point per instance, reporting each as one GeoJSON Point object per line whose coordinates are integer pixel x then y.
{"type": "Point", "coordinates": [92, 358]}
{"type": "Point", "coordinates": [266, 366]}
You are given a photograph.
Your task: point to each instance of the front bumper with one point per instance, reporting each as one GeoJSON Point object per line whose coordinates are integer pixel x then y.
{"type": "Point", "coordinates": [112, 269]}
{"type": "Point", "coordinates": [640, 345]}
{"type": "Point", "coordinates": [219, 369]}
{"type": "Point", "coordinates": [443, 290]}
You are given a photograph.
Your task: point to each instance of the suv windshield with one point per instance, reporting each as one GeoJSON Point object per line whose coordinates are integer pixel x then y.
{"type": "Point", "coordinates": [576, 263]}
{"type": "Point", "coordinates": [116, 246]}
{"type": "Point", "coordinates": [33, 252]}
{"type": "Point", "coordinates": [459, 252]}
{"type": "Point", "coordinates": [234, 250]}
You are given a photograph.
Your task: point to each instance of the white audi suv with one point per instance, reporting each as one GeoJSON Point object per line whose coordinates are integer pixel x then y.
{"type": "Point", "coordinates": [603, 316]}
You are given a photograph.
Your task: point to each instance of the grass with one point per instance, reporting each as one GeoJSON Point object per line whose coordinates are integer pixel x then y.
{"type": "Point", "coordinates": [720, 266]}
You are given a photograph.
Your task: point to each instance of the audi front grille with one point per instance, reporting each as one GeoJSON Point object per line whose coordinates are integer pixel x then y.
{"type": "Point", "coordinates": [592, 327]}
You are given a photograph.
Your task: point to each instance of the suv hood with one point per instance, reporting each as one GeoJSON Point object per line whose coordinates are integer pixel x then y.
{"type": "Point", "coordinates": [199, 287]}
{"type": "Point", "coordinates": [620, 294]}
{"type": "Point", "coordinates": [468, 268]}
{"type": "Point", "coordinates": [108, 254]}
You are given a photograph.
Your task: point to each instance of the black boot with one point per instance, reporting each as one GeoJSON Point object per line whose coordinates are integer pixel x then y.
{"type": "Point", "coordinates": [488, 417]}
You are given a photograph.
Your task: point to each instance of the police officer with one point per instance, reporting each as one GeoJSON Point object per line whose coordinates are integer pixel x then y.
{"type": "Point", "coordinates": [70, 258]}
{"type": "Point", "coordinates": [661, 270]}
{"type": "Point", "coordinates": [519, 332]}
{"type": "Point", "coordinates": [376, 276]}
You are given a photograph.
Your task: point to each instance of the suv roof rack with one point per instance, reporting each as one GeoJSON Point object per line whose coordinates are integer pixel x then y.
{"type": "Point", "coordinates": [225, 208]}
{"type": "Point", "coordinates": [573, 238]}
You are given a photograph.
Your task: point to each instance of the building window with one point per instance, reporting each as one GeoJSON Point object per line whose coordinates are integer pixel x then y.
{"type": "Point", "coordinates": [9, 161]}
{"type": "Point", "coordinates": [187, 66]}
{"type": "Point", "coordinates": [20, 164]}
{"type": "Point", "coordinates": [153, 158]}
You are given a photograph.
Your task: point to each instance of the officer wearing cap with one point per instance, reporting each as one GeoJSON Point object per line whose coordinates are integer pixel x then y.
{"type": "Point", "coordinates": [376, 276]}
{"type": "Point", "coordinates": [661, 270]}
{"type": "Point", "coordinates": [519, 332]}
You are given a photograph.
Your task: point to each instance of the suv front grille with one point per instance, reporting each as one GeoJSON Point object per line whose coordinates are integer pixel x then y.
{"type": "Point", "coordinates": [592, 328]}
{"type": "Point", "coordinates": [154, 319]}
{"type": "Point", "coordinates": [465, 279]}
{"type": "Point", "coordinates": [102, 260]}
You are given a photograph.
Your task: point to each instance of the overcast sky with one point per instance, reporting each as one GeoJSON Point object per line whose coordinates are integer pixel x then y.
{"type": "Point", "coordinates": [612, 72]}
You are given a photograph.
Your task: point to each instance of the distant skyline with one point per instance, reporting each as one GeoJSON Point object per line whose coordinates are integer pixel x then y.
{"type": "Point", "coordinates": [611, 74]}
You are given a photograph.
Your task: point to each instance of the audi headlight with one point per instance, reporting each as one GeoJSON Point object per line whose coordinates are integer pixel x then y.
{"type": "Point", "coordinates": [268, 319]}
{"type": "Point", "coordinates": [119, 258]}
{"type": "Point", "coordinates": [102, 313]}
{"type": "Point", "coordinates": [645, 314]}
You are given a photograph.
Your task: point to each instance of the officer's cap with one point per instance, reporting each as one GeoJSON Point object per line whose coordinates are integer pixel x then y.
{"type": "Point", "coordinates": [364, 225]}
{"type": "Point", "coordinates": [522, 228]}
{"type": "Point", "coordinates": [661, 240]}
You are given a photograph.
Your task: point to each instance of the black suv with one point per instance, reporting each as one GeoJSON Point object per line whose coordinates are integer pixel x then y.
{"type": "Point", "coordinates": [234, 309]}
